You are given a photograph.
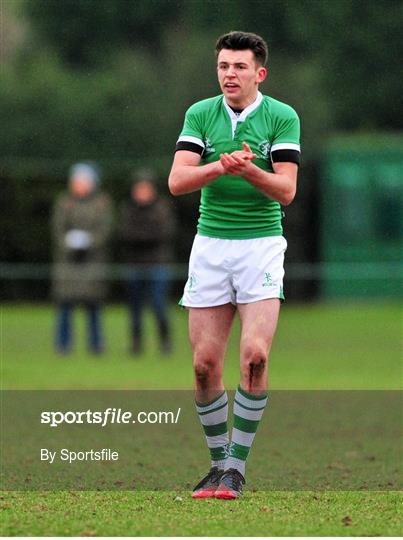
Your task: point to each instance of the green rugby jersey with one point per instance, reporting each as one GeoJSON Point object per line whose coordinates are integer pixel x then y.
{"type": "Point", "coordinates": [230, 206]}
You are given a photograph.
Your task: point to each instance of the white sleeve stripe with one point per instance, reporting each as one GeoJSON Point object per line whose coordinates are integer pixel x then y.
{"type": "Point", "coordinates": [189, 138]}
{"type": "Point", "coordinates": [285, 146]}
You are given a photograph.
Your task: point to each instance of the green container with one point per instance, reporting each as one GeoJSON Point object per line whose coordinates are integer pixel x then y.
{"type": "Point", "coordinates": [362, 217]}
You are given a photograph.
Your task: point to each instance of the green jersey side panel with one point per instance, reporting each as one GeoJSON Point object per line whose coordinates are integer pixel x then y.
{"type": "Point", "coordinates": [230, 206]}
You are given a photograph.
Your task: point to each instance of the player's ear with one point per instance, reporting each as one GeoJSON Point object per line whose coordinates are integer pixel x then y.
{"type": "Point", "coordinates": [261, 74]}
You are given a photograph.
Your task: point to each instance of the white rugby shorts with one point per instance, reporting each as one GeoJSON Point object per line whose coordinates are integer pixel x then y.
{"type": "Point", "coordinates": [234, 271]}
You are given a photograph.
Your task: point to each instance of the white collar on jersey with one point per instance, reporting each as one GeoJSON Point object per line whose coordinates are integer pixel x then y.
{"type": "Point", "coordinates": [235, 118]}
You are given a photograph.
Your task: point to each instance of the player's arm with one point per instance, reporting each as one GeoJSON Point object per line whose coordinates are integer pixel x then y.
{"type": "Point", "coordinates": [280, 185]}
{"type": "Point", "coordinates": [187, 175]}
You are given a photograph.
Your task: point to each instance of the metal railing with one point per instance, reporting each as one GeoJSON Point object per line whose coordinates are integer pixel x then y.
{"type": "Point", "coordinates": [294, 271]}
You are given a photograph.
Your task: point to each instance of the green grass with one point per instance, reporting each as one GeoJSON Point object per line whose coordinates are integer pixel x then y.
{"type": "Point", "coordinates": [162, 514]}
{"type": "Point", "coordinates": [317, 347]}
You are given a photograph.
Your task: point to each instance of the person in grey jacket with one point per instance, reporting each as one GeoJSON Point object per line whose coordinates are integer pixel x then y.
{"type": "Point", "coordinates": [81, 227]}
{"type": "Point", "coordinates": [147, 228]}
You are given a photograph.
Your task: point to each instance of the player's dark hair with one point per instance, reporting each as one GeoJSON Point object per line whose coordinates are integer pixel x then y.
{"type": "Point", "coordinates": [241, 41]}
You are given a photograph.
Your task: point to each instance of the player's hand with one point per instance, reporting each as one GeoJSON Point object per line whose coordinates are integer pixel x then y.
{"type": "Point", "coordinates": [248, 150]}
{"type": "Point", "coordinates": [237, 163]}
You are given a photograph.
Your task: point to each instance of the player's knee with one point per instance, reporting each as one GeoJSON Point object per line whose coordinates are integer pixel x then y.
{"type": "Point", "coordinates": [255, 360]}
{"type": "Point", "coordinates": [205, 366]}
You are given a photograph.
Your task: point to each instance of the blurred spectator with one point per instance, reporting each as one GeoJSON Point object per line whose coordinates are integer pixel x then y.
{"type": "Point", "coordinates": [82, 220]}
{"type": "Point", "coordinates": [147, 230]}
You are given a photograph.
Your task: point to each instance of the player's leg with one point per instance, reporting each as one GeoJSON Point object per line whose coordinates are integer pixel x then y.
{"type": "Point", "coordinates": [209, 330]}
{"type": "Point", "coordinates": [258, 326]}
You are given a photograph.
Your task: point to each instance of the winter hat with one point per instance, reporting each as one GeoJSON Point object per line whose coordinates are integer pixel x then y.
{"type": "Point", "coordinates": [90, 170]}
{"type": "Point", "coordinates": [144, 174]}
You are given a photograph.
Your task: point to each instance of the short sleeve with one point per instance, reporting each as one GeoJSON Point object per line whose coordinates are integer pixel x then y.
{"type": "Point", "coordinates": [191, 137]}
{"type": "Point", "coordinates": [286, 142]}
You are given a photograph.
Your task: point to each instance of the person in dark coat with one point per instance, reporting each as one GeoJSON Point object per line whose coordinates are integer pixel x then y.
{"type": "Point", "coordinates": [147, 228]}
{"type": "Point", "coordinates": [81, 227]}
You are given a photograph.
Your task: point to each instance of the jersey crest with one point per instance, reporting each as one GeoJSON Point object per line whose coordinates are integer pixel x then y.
{"type": "Point", "coordinates": [208, 146]}
{"type": "Point", "coordinates": [264, 149]}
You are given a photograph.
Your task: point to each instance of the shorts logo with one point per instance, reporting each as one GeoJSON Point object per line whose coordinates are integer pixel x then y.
{"type": "Point", "coordinates": [191, 282]}
{"type": "Point", "coordinates": [268, 281]}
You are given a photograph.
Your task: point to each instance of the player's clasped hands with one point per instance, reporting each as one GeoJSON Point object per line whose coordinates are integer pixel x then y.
{"type": "Point", "coordinates": [237, 162]}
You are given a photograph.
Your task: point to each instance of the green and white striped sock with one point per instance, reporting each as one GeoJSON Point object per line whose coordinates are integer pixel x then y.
{"type": "Point", "coordinates": [214, 416]}
{"type": "Point", "coordinates": [248, 411]}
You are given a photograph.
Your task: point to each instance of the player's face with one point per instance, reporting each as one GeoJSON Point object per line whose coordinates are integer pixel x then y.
{"type": "Point", "coordinates": [239, 76]}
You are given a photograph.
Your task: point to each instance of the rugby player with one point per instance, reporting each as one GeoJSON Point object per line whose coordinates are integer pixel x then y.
{"type": "Point", "coordinates": [241, 149]}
